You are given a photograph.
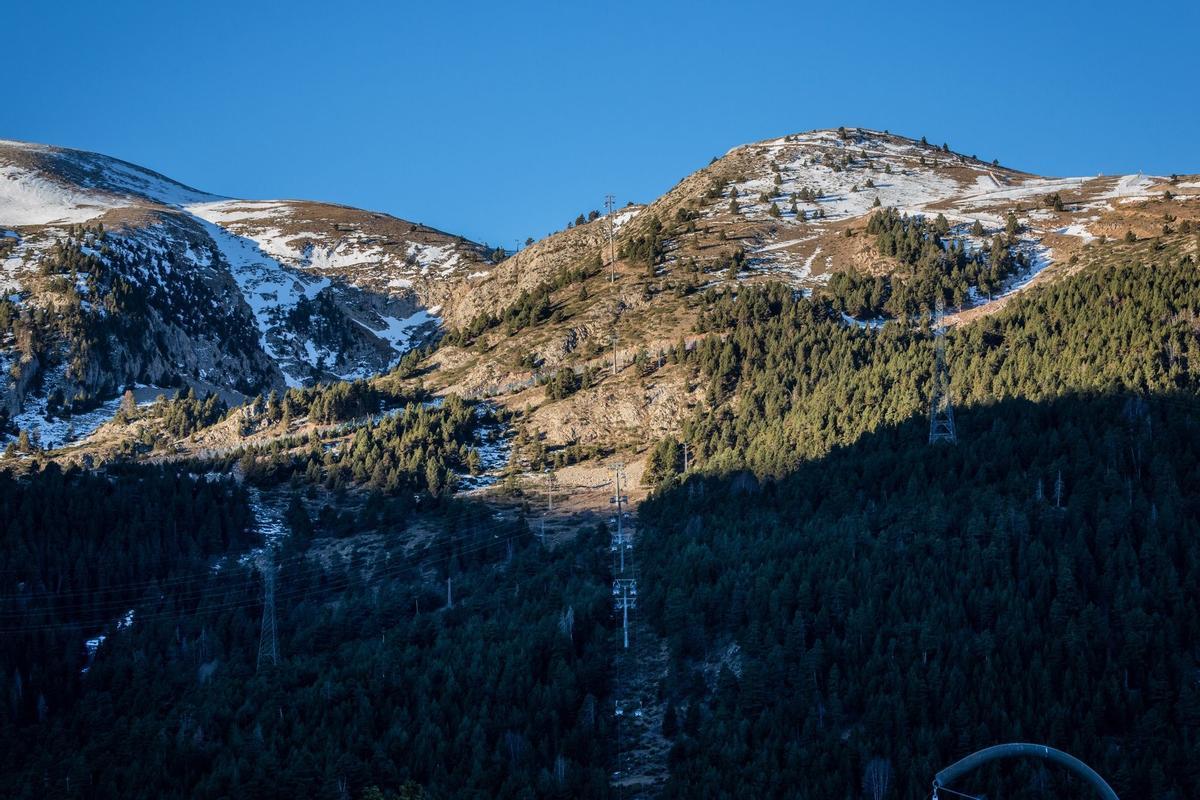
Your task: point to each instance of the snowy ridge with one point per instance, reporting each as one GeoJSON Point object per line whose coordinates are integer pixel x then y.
{"type": "Point", "coordinates": [836, 179]}
{"type": "Point", "coordinates": [307, 236]}
{"type": "Point", "coordinates": [27, 198]}
{"type": "Point", "coordinates": [41, 185]}
{"type": "Point", "coordinates": [344, 265]}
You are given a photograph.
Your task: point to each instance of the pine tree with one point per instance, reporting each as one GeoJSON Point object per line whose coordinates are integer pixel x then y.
{"type": "Point", "coordinates": [670, 722]}
{"type": "Point", "coordinates": [1012, 225]}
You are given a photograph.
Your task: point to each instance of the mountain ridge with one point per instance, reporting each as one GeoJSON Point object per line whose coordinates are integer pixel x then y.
{"type": "Point", "coordinates": [327, 291]}
{"type": "Point", "coordinates": [313, 291]}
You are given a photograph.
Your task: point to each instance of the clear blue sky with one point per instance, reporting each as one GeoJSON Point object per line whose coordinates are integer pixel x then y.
{"type": "Point", "coordinates": [502, 120]}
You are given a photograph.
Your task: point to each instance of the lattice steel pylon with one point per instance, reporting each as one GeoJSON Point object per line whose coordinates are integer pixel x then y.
{"type": "Point", "coordinates": [268, 650]}
{"type": "Point", "coordinates": [941, 410]}
{"type": "Point", "coordinates": [612, 252]}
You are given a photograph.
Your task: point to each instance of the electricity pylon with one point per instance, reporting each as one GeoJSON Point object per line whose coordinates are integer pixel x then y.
{"type": "Point", "coordinates": [625, 590]}
{"type": "Point", "coordinates": [941, 410]}
{"type": "Point", "coordinates": [612, 255]}
{"type": "Point", "coordinates": [268, 649]}
{"type": "Point", "coordinates": [620, 542]}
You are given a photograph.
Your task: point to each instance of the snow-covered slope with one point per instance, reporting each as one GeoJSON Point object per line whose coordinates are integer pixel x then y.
{"type": "Point", "coordinates": [56, 184]}
{"type": "Point", "coordinates": [790, 201]}
{"type": "Point", "coordinates": [307, 290]}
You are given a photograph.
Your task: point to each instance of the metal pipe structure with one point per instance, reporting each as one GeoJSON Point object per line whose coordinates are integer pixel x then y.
{"type": "Point", "coordinates": [1023, 750]}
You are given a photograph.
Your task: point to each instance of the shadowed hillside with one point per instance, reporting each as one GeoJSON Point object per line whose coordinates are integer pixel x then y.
{"type": "Point", "coordinates": [894, 600]}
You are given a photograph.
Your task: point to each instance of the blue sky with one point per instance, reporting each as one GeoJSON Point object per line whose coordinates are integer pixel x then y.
{"type": "Point", "coordinates": [505, 120]}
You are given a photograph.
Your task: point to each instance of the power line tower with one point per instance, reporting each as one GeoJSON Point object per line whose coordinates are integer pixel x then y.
{"type": "Point", "coordinates": [612, 255]}
{"type": "Point", "coordinates": [268, 649]}
{"type": "Point", "coordinates": [551, 485]}
{"type": "Point", "coordinates": [625, 590]}
{"type": "Point", "coordinates": [620, 537]}
{"type": "Point", "coordinates": [941, 411]}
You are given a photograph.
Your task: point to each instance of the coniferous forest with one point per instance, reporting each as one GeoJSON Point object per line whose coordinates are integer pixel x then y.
{"type": "Point", "coordinates": [896, 603]}
{"type": "Point", "coordinates": [1035, 582]}
{"type": "Point", "coordinates": [386, 684]}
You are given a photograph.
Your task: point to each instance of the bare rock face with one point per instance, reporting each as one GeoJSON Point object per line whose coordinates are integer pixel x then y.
{"type": "Point", "coordinates": [631, 410]}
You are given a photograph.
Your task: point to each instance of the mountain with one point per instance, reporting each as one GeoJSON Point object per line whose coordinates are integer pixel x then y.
{"type": "Point", "coordinates": [437, 565]}
{"type": "Point", "coordinates": [114, 275]}
{"type": "Point", "coordinates": [838, 213]}
{"type": "Point", "coordinates": [825, 182]}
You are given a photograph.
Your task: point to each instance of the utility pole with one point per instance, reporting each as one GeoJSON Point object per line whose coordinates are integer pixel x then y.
{"type": "Point", "coordinates": [614, 349]}
{"type": "Point", "coordinates": [268, 649]}
{"type": "Point", "coordinates": [941, 411]}
{"type": "Point", "coordinates": [612, 257]}
{"type": "Point", "coordinates": [685, 457]}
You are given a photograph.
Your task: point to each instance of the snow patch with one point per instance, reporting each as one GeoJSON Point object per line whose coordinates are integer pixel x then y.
{"type": "Point", "coordinates": [27, 198]}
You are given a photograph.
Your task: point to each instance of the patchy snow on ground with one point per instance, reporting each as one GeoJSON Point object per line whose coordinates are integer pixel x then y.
{"type": "Point", "coordinates": [842, 194]}
{"type": "Point", "coordinates": [270, 289]}
{"type": "Point", "coordinates": [342, 251]}
{"type": "Point", "coordinates": [268, 521]}
{"type": "Point", "coordinates": [1029, 189]}
{"type": "Point", "coordinates": [52, 433]}
{"type": "Point", "coordinates": [873, 323]}
{"type": "Point", "coordinates": [92, 645]}
{"type": "Point", "coordinates": [224, 212]}
{"type": "Point", "coordinates": [18, 260]}
{"type": "Point", "coordinates": [1039, 255]}
{"type": "Point", "coordinates": [493, 442]}
{"type": "Point", "coordinates": [1078, 229]}
{"type": "Point", "coordinates": [785, 257]}
{"type": "Point", "coordinates": [398, 333]}
{"type": "Point", "coordinates": [443, 258]}
{"type": "Point", "coordinates": [114, 175]}
{"type": "Point", "coordinates": [622, 217]}
{"type": "Point", "coordinates": [1129, 188]}
{"type": "Point", "coordinates": [314, 250]}
{"type": "Point", "coordinates": [914, 179]}
{"type": "Point", "coordinates": [28, 198]}
{"type": "Point", "coordinates": [98, 184]}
